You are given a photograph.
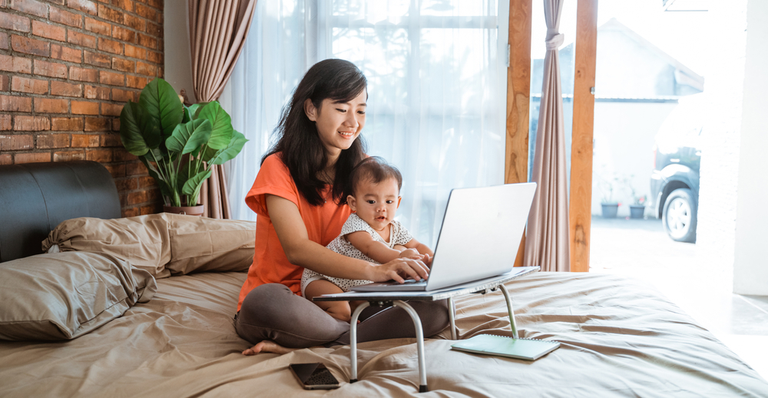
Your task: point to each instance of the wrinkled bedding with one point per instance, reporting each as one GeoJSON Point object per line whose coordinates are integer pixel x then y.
{"type": "Point", "coordinates": [619, 338]}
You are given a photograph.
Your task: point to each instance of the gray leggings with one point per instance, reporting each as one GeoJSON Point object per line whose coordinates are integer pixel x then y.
{"type": "Point", "coordinates": [273, 312]}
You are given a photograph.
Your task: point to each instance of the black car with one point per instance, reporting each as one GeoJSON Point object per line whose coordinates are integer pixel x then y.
{"type": "Point", "coordinates": [675, 178]}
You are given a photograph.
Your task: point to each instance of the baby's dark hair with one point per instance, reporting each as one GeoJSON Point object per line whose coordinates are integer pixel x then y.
{"type": "Point", "coordinates": [373, 169]}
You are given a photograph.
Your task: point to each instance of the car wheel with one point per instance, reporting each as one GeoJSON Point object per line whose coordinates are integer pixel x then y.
{"type": "Point", "coordinates": [679, 216]}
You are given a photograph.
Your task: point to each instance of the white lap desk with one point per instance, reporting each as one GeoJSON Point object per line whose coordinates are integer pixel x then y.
{"type": "Point", "coordinates": [398, 299]}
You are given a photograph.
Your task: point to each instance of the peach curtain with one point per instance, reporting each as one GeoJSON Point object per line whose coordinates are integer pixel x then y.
{"type": "Point", "coordinates": [547, 239]}
{"type": "Point", "coordinates": [217, 31]}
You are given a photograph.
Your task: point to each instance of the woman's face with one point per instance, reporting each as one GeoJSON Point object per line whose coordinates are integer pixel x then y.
{"type": "Point", "coordinates": [376, 203]}
{"type": "Point", "coordinates": [338, 123]}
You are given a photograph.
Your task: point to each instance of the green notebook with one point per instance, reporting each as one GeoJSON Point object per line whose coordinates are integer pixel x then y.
{"type": "Point", "coordinates": [488, 344]}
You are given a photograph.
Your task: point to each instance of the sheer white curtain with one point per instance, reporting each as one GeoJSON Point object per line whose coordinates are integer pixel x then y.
{"type": "Point", "coordinates": [436, 74]}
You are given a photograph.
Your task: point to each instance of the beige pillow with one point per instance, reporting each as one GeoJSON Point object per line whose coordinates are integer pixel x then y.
{"type": "Point", "coordinates": [161, 243]}
{"type": "Point", "coordinates": [60, 296]}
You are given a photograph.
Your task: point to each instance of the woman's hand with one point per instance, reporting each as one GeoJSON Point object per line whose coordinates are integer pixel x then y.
{"type": "Point", "coordinates": [399, 270]}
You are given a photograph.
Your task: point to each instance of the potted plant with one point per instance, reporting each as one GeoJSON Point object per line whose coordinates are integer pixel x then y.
{"type": "Point", "coordinates": [178, 144]}
{"type": "Point", "coordinates": [608, 205]}
{"type": "Point", "coordinates": [637, 209]}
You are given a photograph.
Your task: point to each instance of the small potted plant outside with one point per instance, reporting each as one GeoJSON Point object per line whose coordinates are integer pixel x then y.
{"type": "Point", "coordinates": [608, 205]}
{"type": "Point", "coordinates": [637, 209]}
{"type": "Point", "coordinates": [178, 144]}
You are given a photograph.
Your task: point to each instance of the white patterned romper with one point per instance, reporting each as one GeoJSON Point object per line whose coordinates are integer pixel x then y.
{"type": "Point", "coordinates": [398, 236]}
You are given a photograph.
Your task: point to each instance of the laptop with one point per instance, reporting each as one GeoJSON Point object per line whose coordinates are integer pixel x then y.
{"type": "Point", "coordinates": [479, 238]}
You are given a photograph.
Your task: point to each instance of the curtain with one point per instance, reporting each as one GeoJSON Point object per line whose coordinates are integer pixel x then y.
{"type": "Point", "coordinates": [547, 239]}
{"type": "Point", "coordinates": [436, 74]}
{"type": "Point", "coordinates": [217, 32]}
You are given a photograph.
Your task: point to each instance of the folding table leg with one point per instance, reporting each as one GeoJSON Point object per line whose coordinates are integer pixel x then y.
{"type": "Point", "coordinates": [353, 339]}
{"type": "Point", "coordinates": [512, 323]}
{"type": "Point", "coordinates": [452, 316]}
{"type": "Point", "coordinates": [419, 342]}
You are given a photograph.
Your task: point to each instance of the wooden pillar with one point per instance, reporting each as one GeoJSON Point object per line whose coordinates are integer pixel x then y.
{"type": "Point", "coordinates": [518, 97]}
{"type": "Point", "coordinates": [583, 123]}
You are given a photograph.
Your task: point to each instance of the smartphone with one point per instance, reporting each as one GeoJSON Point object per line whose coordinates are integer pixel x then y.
{"type": "Point", "coordinates": [314, 376]}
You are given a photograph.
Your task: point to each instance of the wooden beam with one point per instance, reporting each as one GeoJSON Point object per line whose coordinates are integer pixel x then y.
{"type": "Point", "coordinates": [583, 123]}
{"type": "Point", "coordinates": [518, 98]}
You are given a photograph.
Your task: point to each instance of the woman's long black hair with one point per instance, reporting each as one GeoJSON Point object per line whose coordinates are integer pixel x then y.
{"type": "Point", "coordinates": [302, 151]}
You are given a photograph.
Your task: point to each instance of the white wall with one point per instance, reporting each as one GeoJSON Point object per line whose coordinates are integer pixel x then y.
{"type": "Point", "coordinates": [178, 60]}
{"type": "Point", "coordinates": [750, 271]}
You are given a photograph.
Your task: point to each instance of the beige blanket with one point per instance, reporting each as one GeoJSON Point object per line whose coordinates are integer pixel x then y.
{"type": "Point", "coordinates": [619, 338]}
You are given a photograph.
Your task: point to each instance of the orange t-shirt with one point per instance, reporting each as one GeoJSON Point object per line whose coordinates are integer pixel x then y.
{"type": "Point", "coordinates": [323, 223]}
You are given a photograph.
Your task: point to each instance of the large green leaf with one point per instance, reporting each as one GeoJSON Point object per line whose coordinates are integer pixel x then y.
{"type": "Point", "coordinates": [230, 151]}
{"type": "Point", "coordinates": [221, 124]}
{"type": "Point", "coordinates": [188, 137]}
{"type": "Point", "coordinates": [193, 185]}
{"type": "Point", "coordinates": [163, 103]}
{"type": "Point", "coordinates": [139, 131]}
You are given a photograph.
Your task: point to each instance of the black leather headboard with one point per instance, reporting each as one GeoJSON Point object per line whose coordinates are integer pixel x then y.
{"type": "Point", "coordinates": [36, 197]}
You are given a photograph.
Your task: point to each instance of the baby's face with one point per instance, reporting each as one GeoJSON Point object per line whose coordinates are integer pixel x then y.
{"type": "Point", "coordinates": [375, 203]}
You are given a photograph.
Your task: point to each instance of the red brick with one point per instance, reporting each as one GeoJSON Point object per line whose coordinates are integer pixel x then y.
{"type": "Point", "coordinates": [5, 122]}
{"type": "Point", "coordinates": [121, 155]}
{"type": "Point", "coordinates": [50, 69]}
{"type": "Point", "coordinates": [126, 5]}
{"type": "Point", "coordinates": [66, 89]}
{"type": "Point", "coordinates": [30, 7]}
{"type": "Point", "coordinates": [147, 41]}
{"type": "Point", "coordinates": [15, 64]}
{"type": "Point", "coordinates": [49, 105]}
{"type": "Point", "coordinates": [66, 53]}
{"type": "Point", "coordinates": [110, 139]}
{"type": "Point", "coordinates": [6, 158]}
{"type": "Point", "coordinates": [83, 5]}
{"type": "Point", "coordinates": [110, 14]}
{"type": "Point", "coordinates": [135, 52]}
{"type": "Point", "coordinates": [85, 108]}
{"type": "Point", "coordinates": [38, 157]}
{"type": "Point", "coordinates": [81, 39]}
{"type": "Point", "coordinates": [15, 104]}
{"type": "Point", "coordinates": [66, 124]}
{"type": "Point", "coordinates": [30, 46]}
{"type": "Point", "coordinates": [154, 29]}
{"type": "Point", "coordinates": [50, 141]}
{"type": "Point", "coordinates": [96, 59]}
{"type": "Point", "coordinates": [85, 140]}
{"type": "Point", "coordinates": [94, 92]}
{"type": "Point", "coordinates": [135, 169]}
{"type": "Point", "coordinates": [66, 17]}
{"type": "Point", "coordinates": [161, 73]}
{"type": "Point", "coordinates": [83, 75]}
{"type": "Point", "coordinates": [4, 41]}
{"type": "Point", "coordinates": [147, 182]}
{"type": "Point", "coordinates": [96, 26]}
{"type": "Point", "coordinates": [126, 184]}
{"type": "Point", "coordinates": [52, 32]}
{"type": "Point", "coordinates": [146, 12]}
{"type": "Point", "coordinates": [68, 156]}
{"type": "Point", "coordinates": [150, 209]}
{"type": "Point", "coordinates": [99, 155]}
{"type": "Point", "coordinates": [131, 212]}
{"type": "Point", "coordinates": [146, 69]}
{"type": "Point", "coordinates": [111, 109]}
{"type": "Point", "coordinates": [124, 34]}
{"type": "Point", "coordinates": [14, 22]}
{"type": "Point", "coordinates": [97, 124]}
{"type": "Point", "coordinates": [18, 142]}
{"type": "Point", "coordinates": [59, 2]}
{"type": "Point", "coordinates": [5, 83]}
{"type": "Point", "coordinates": [111, 78]}
{"type": "Point", "coordinates": [133, 22]}
{"type": "Point", "coordinates": [122, 95]}
{"type": "Point", "coordinates": [110, 46]}
{"type": "Point", "coordinates": [155, 57]}
{"type": "Point", "coordinates": [158, 4]}
{"type": "Point", "coordinates": [32, 86]}
{"type": "Point", "coordinates": [31, 123]}
{"type": "Point", "coordinates": [115, 122]}
{"type": "Point", "coordinates": [135, 198]}
{"type": "Point", "coordinates": [123, 65]}
{"type": "Point", "coordinates": [116, 170]}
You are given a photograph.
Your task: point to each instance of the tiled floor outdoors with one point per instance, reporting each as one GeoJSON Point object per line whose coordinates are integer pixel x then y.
{"type": "Point", "coordinates": [698, 285]}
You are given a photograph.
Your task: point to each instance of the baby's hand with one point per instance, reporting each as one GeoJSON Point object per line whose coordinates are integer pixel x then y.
{"type": "Point", "coordinates": [426, 259]}
{"type": "Point", "coordinates": [410, 253]}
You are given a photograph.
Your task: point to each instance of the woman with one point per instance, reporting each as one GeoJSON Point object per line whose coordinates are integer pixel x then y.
{"type": "Point", "coordinates": [298, 198]}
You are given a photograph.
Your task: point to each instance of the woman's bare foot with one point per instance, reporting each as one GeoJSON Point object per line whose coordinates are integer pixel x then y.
{"type": "Point", "coordinates": [267, 346]}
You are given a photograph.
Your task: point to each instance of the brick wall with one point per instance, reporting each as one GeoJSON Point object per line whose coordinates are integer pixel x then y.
{"type": "Point", "coordinates": [67, 67]}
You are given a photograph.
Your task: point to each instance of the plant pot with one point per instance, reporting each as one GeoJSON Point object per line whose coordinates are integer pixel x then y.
{"type": "Point", "coordinates": [636, 211]}
{"type": "Point", "coordinates": [610, 210]}
{"type": "Point", "coordinates": [188, 210]}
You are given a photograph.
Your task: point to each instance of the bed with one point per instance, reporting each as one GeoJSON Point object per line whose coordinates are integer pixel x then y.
{"type": "Point", "coordinates": [619, 337]}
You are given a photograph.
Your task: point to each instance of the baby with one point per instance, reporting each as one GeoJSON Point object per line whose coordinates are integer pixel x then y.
{"type": "Point", "coordinates": [370, 233]}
